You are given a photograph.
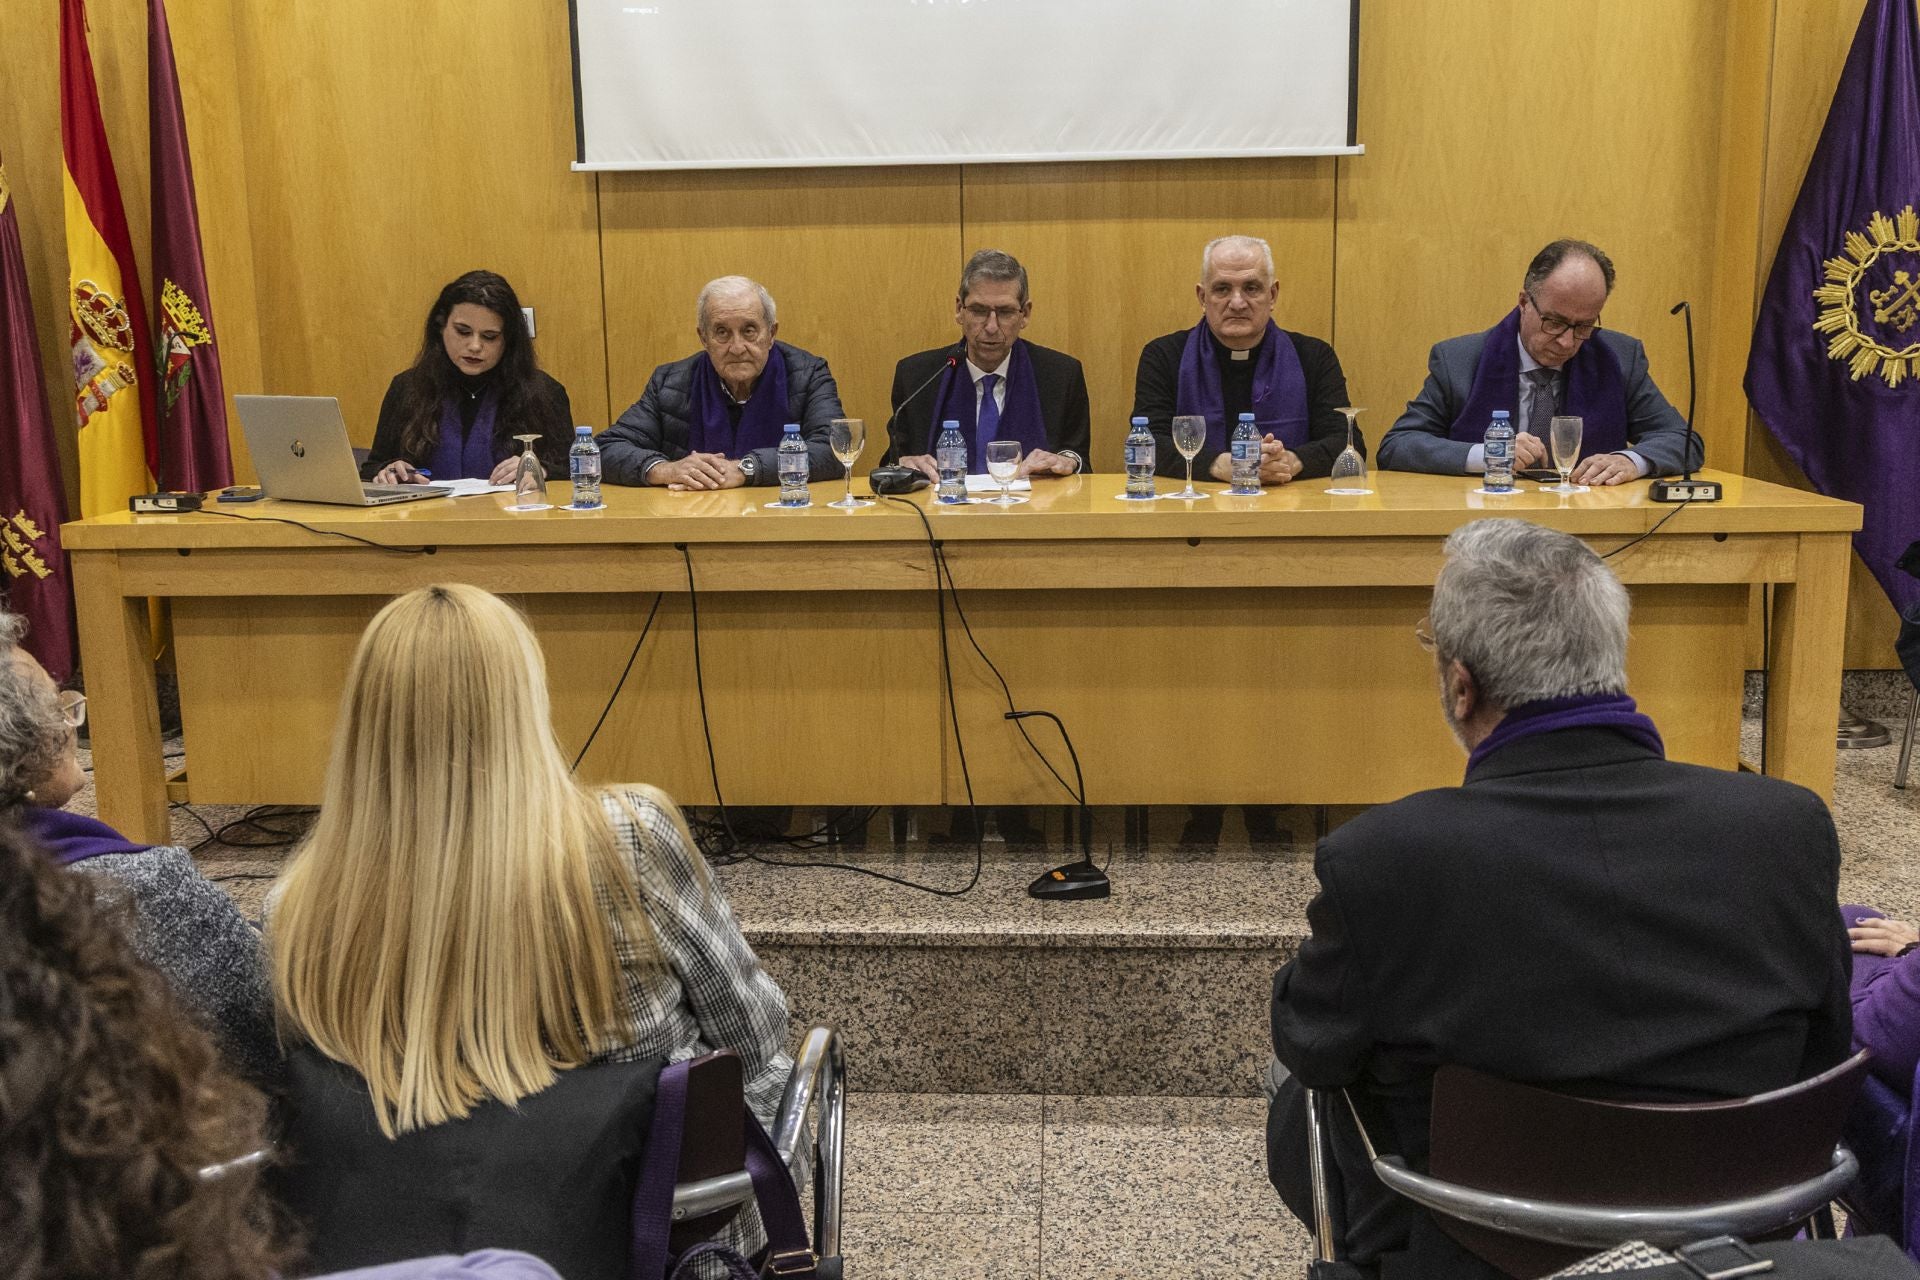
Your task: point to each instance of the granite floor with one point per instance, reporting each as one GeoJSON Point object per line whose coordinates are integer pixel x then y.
{"type": "Point", "coordinates": [1048, 1185]}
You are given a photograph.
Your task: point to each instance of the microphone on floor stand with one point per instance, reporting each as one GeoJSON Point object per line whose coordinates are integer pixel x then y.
{"type": "Point", "coordinates": [1080, 879]}
{"type": "Point", "coordinates": [1686, 488]}
{"type": "Point", "coordinates": [894, 478]}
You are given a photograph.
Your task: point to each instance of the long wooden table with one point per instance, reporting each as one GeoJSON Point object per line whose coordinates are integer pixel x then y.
{"type": "Point", "coordinates": [1227, 651]}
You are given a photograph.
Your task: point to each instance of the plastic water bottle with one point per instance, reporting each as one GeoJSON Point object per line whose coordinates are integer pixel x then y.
{"type": "Point", "coordinates": [950, 460]}
{"type": "Point", "coordinates": [1140, 459]}
{"type": "Point", "coordinates": [793, 468]}
{"type": "Point", "coordinates": [1499, 453]}
{"type": "Point", "coordinates": [583, 460]}
{"type": "Point", "coordinates": [1245, 447]}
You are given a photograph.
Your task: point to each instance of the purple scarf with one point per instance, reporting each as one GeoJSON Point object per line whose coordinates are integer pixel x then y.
{"type": "Point", "coordinates": [461, 454]}
{"type": "Point", "coordinates": [1279, 388]}
{"type": "Point", "coordinates": [71, 838]}
{"type": "Point", "coordinates": [762, 418]}
{"type": "Point", "coordinates": [958, 400]}
{"type": "Point", "coordinates": [1581, 711]}
{"type": "Point", "coordinates": [1596, 390]}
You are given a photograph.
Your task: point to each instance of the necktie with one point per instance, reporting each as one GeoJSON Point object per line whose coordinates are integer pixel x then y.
{"type": "Point", "coordinates": [987, 423]}
{"type": "Point", "coordinates": [1539, 402]}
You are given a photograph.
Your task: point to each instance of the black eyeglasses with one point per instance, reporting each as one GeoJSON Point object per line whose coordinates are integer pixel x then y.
{"type": "Point", "coordinates": [1554, 326]}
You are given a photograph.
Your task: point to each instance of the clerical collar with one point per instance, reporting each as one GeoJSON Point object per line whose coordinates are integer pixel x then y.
{"type": "Point", "coordinates": [1221, 349]}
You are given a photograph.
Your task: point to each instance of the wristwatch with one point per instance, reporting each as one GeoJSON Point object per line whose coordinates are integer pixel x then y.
{"type": "Point", "coordinates": [749, 467]}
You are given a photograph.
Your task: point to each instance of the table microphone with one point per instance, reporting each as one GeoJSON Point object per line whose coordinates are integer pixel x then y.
{"type": "Point", "coordinates": [894, 478]}
{"type": "Point", "coordinates": [1686, 488]}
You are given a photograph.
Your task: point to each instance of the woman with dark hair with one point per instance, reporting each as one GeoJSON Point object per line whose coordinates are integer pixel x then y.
{"type": "Point", "coordinates": [474, 386]}
{"type": "Point", "coordinates": [112, 1104]}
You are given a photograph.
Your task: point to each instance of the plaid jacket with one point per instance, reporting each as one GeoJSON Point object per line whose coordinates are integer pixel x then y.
{"type": "Point", "coordinates": [712, 992]}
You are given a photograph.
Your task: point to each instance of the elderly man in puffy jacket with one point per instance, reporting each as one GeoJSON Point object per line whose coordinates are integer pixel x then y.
{"type": "Point", "coordinates": [713, 420]}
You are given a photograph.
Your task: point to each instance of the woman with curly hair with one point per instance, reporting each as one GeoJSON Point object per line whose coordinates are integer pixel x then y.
{"type": "Point", "coordinates": [179, 922]}
{"type": "Point", "coordinates": [112, 1104]}
{"type": "Point", "coordinates": [473, 387]}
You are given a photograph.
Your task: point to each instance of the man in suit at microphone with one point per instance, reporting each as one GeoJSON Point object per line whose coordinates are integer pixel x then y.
{"type": "Point", "coordinates": [1548, 356]}
{"type": "Point", "coordinates": [993, 382]}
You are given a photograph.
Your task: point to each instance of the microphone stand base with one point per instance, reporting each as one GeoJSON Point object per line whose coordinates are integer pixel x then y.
{"type": "Point", "coordinates": [1075, 881]}
{"type": "Point", "coordinates": [1684, 491]}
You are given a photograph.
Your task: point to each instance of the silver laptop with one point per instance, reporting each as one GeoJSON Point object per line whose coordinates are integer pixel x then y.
{"type": "Point", "coordinates": [300, 448]}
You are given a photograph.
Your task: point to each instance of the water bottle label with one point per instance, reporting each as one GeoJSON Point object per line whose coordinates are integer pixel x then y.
{"type": "Point", "coordinates": [1245, 450]}
{"type": "Point", "coordinates": [1139, 455]}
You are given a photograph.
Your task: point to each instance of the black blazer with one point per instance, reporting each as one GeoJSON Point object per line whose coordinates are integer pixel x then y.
{"type": "Point", "coordinates": [551, 448]}
{"type": "Point", "coordinates": [1581, 914]}
{"type": "Point", "coordinates": [1063, 400]}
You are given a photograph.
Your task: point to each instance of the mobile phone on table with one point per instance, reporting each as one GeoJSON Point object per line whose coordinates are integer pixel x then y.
{"type": "Point", "coordinates": [242, 493]}
{"type": "Point", "coordinates": [1543, 474]}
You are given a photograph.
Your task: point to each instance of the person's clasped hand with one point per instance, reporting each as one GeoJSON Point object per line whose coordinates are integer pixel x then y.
{"type": "Point", "coordinates": [1882, 937]}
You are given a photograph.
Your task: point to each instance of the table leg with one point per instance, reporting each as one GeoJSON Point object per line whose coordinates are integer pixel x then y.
{"type": "Point", "coordinates": [1803, 687]}
{"type": "Point", "coordinates": [123, 711]}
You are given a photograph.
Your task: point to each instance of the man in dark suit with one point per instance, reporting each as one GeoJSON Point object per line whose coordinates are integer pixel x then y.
{"type": "Point", "coordinates": [993, 382]}
{"type": "Point", "coordinates": [714, 419]}
{"type": "Point", "coordinates": [1549, 356]}
{"type": "Point", "coordinates": [1237, 360]}
{"type": "Point", "coordinates": [1581, 914]}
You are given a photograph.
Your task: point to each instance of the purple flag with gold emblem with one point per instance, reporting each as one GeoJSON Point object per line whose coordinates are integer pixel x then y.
{"type": "Point", "coordinates": [33, 505]}
{"type": "Point", "coordinates": [1834, 370]}
{"type": "Point", "coordinates": [192, 403]}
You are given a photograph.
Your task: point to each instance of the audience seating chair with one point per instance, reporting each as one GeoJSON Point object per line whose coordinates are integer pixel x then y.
{"type": "Point", "coordinates": [375, 1194]}
{"type": "Point", "coordinates": [1531, 1180]}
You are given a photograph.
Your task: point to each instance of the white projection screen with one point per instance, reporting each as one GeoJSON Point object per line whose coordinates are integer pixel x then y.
{"type": "Point", "coordinates": [721, 84]}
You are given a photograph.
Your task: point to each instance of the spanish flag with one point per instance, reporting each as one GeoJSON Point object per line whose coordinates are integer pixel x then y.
{"type": "Point", "coordinates": [112, 352]}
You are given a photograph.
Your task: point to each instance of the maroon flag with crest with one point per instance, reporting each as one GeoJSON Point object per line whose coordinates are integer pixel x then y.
{"type": "Point", "coordinates": [33, 505]}
{"type": "Point", "coordinates": [192, 403]}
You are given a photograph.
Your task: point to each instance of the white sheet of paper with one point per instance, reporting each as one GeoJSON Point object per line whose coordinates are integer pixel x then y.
{"type": "Point", "coordinates": [468, 487]}
{"type": "Point", "coordinates": [987, 484]}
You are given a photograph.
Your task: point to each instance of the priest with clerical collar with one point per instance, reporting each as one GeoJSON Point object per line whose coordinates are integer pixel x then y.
{"type": "Point", "coordinates": [714, 419]}
{"type": "Point", "coordinates": [1237, 360]}
{"type": "Point", "coordinates": [1548, 357]}
{"type": "Point", "coordinates": [993, 382]}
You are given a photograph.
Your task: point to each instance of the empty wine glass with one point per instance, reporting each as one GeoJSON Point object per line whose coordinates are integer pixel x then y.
{"type": "Point", "coordinates": [1003, 463]}
{"type": "Point", "coordinates": [530, 481]}
{"type": "Point", "coordinates": [1189, 433]}
{"type": "Point", "coordinates": [847, 437]}
{"type": "Point", "coordinates": [1350, 469]}
{"type": "Point", "coordinates": [1564, 440]}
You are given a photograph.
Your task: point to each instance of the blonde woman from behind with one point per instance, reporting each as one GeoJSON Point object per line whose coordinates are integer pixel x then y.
{"type": "Point", "coordinates": [466, 922]}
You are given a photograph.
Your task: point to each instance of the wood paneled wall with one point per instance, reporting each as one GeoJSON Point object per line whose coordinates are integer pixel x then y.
{"type": "Point", "coordinates": [353, 156]}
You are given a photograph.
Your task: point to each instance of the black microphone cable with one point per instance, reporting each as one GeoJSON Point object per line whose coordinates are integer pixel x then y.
{"type": "Point", "coordinates": [736, 851]}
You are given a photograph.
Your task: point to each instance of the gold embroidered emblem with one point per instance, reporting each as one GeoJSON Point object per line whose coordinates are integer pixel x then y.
{"type": "Point", "coordinates": [1897, 306]}
{"type": "Point", "coordinates": [20, 549]}
{"type": "Point", "coordinates": [182, 328]}
{"type": "Point", "coordinates": [103, 316]}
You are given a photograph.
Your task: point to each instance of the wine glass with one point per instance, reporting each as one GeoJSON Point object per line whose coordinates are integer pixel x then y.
{"type": "Point", "coordinates": [1563, 438]}
{"type": "Point", "coordinates": [530, 481]}
{"type": "Point", "coordinates": [1350, 469]}
{"type": "Point", "coordinates": [1003, 463]}
{"type": "Point", "coordinates": [1189, 433]}
{"type": "Point", "coordinates": [847, 437]}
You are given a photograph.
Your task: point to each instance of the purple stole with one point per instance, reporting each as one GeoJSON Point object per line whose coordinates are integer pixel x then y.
{"type": "Point", "coordinates": [459, 454]}
{"type": "Point", "coordinates": [1596, 390]}
{"type": "Point", "coordinates": [71, 838]}
{"type": "Point", "coordinates": [1581, 711]}
{"type": "Point", "coordinates": [958, 399]}
{"type": "Point", "coordinates": [762, 418]}
{"type": "Point", "coordinates": [1279, 388]}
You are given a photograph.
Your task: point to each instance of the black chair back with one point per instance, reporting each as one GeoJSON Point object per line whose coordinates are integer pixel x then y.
{"type": "Point", "coordinates": [1518, 1140]}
